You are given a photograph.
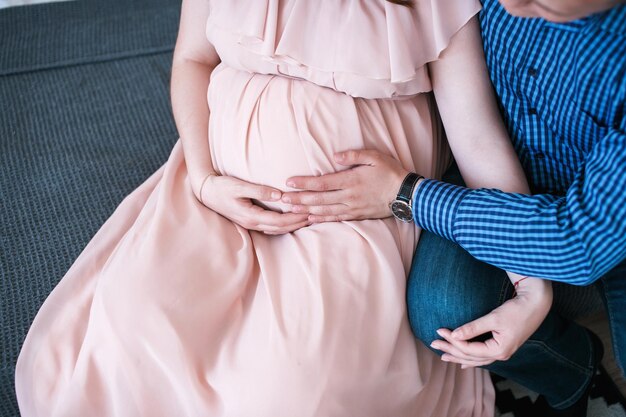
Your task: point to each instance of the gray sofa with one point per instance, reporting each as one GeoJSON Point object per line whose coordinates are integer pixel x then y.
{"type": "Point", "coordinates": [84, 119]}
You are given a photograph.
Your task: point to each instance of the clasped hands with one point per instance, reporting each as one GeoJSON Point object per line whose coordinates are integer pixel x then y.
{"type": "Point", "coordinates": [364, 191]}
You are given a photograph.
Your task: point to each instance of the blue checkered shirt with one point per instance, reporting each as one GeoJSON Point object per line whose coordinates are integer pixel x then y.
{"type": "Point", "coordinates": [562, 89]}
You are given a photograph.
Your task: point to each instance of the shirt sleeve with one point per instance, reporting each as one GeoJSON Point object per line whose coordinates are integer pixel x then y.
{"type": "Point", "coordinates": [575, 239]}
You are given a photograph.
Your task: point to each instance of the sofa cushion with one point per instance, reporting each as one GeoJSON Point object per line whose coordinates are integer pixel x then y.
{"type": "Point", "coordinates": [84, 119]}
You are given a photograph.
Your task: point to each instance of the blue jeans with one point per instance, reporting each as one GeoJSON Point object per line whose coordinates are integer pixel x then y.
{"type": "Point", "coordinates": [447, 287]}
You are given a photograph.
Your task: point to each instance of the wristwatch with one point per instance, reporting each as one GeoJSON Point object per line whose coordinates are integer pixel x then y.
{"type": "Point", "coordinates": [401, 207]}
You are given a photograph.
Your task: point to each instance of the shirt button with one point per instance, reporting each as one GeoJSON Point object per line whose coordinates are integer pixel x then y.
{"type": "Point", "coordinates": [540, 155]}
{"type": "Point", "coordinates": [532, 72]}
{"type": "Point", "coordinates": [532, 111]}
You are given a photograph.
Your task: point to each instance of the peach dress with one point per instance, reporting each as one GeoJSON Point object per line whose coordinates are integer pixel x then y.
{"type": "Point", "coordinates": [173, 310]}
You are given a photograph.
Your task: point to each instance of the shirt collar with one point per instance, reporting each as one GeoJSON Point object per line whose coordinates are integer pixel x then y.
{"type": "Point", "coordinates": [613, 20]}
{"type": "Point", "coordinates": [574, 25]}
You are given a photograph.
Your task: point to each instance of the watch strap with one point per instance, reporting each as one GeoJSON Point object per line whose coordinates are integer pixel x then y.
{"type": "Point", "coordinates": [406, 189]}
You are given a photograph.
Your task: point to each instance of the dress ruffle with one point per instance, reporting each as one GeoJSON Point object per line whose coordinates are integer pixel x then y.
{"type": "Point", "coordinates": [339, 44]}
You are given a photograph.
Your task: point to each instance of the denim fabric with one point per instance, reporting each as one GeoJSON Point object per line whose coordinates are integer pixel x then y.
{"type": "Point", "coordinates": [613, 287]}
{"type": "Point", "coordinates": [448, 287]}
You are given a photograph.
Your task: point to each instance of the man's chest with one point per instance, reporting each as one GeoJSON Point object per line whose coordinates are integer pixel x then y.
{"type": "Point", "coordinates": [556, 82]}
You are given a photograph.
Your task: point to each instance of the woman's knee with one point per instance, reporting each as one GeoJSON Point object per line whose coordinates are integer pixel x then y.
{"type": "Point", "coordinates": [447, 287]}
{"type": "Point", "coordinates": [432, 307]}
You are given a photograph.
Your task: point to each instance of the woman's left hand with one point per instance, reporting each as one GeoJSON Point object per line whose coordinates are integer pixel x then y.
{"type": "Point", "coordinates": [510, 325]}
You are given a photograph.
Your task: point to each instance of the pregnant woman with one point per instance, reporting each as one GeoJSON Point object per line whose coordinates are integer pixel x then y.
{"type": "Point", "coordinates": [203, 295]}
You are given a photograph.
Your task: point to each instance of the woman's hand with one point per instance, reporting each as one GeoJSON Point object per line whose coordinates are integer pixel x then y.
{"type": "Point", "coordinates": [233, 199]}
{"type": "Point", "coordinates": [510, 326]}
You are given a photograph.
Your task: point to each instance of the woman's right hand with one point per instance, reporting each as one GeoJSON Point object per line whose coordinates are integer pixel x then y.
{"type": "Point", "coordinates": [233, 199]}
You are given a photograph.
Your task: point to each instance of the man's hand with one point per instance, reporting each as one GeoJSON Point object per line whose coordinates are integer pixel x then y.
{"type": "Point", "coordinates": [510, 326]}
{"type": "Point", "coordinates": [361, 192]}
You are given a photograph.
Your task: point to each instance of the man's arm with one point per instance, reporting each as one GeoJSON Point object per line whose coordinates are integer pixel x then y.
{"type": "Point", "coordinates": [574, 239]}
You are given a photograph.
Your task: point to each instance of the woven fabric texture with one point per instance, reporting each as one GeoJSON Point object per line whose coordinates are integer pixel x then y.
{"type": "Point", "coordinates": [84, 119]}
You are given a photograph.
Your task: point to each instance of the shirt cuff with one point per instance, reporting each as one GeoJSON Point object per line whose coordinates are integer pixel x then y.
{"type": "Point", "coordinates": [435, 205]}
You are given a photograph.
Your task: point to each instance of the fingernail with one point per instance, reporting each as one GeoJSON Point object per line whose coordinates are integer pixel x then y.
{"type": "Point", "coordinates": [296, 209]}
{"type": "Point", "coordinates": [286, 199]}
{"type": "Point", "coordinates": [464, 366]}
{"type": "Point", "coordinates": [275, 195]}
{"type": "Point", "coordinates": [440, 333]}
{"type": "Point", "coordinates": [291, 184]}
{"type": "Point", "coordinates": [434, 345]}
{"type": "Point", "coordinates": [445, 358]}
{"type": "Point", "coordinates": [339, 156]}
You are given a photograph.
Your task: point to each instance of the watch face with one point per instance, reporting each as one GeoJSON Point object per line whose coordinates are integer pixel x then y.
{"type": "Point", "coordinates": [402, 211]}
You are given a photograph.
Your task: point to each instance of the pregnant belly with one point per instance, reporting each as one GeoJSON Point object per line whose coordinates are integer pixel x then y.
{"type": "Point", "coordinates": [266, 128]}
